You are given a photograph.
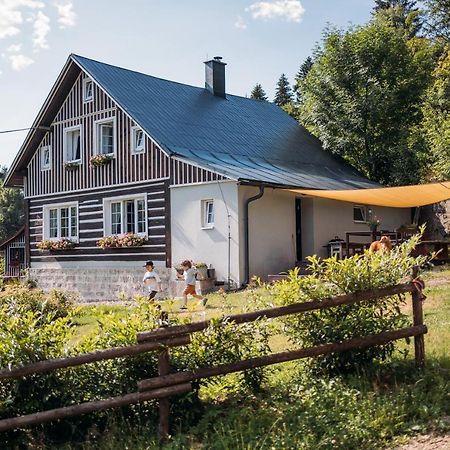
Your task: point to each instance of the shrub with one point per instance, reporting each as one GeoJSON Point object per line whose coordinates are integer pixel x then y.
{"type": "Point", "coordinates": [330, 277]}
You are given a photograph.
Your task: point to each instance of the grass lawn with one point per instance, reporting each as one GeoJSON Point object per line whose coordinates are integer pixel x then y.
{"type": "Point", "coordinates": [370, 411]}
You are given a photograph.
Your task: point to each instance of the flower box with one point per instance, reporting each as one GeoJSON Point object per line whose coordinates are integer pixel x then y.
{"type": "Point", "coordinates": [100, 160]}
{"type": "Point", "coordinates": [71, 165]}
{"type": "Point", "coordinates": [130, 240]}
{"type": "Point", "coordinates": [56, 246]}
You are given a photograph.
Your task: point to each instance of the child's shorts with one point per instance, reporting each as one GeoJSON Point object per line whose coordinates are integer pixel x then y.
{"type": "Point", "coordinates": [189, 290]}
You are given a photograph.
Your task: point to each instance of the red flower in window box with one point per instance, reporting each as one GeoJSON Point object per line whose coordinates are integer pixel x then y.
{"type": "Point", "coordinates": [100, 160]}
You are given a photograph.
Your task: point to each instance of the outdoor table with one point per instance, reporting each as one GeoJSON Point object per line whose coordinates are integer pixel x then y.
{"type": "Point", "coordinates": [373, 235]}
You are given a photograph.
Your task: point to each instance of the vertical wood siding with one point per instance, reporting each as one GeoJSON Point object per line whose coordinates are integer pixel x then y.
{"type": "Point", "coordinates": [185, 173]}
{"type": "Point", "coordinates": [12, 268]}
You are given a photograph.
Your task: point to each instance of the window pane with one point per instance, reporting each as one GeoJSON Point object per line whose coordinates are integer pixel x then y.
{"type": "Point", "coordinates": [130, 226]}
{"type": "Point", "coordinates": [88, 90]}
{"type": "Point", "coordinates": [139, 140]}
{"type": "Point", "coordinates": [73, 222]}
{"type": "Point", "coordinates": [53, 223]}
{"type": "Point", "coordinates": [210, 213]}
{"type": "Point", "coordinates": [106, 139]}
{"type": "Point", "coordinates": [64, 222]}
{"type": "Point", "coordinates": [116, 218]}
{"type": "Point", "coordinates": [73, 143]}
{"type": "Point", "coordinates": [141, 216]}
{"type": "Point", "coordinates": [359, 214]}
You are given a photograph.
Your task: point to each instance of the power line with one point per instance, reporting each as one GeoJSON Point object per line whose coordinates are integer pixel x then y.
{"type": "Point", "coordinates": [25, 129]}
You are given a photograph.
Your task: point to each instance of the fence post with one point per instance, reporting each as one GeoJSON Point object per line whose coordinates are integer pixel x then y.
{"type": "Point", "coordinates": [419, 341]}
{"type": "Point", "coordinates": [164, 403]}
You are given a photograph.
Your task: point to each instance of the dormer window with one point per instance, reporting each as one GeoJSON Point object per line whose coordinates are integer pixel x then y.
{"type": "Point", "coordinates": [46, 157]}
{"type": "Point", "coordinates": [88, 90]}
{"type": "Point", "coordinates": [105, 140]}
{"type": "Point", "coordinates": [138, 140]}
{"type": "Point", "coordinates": [72, 144]}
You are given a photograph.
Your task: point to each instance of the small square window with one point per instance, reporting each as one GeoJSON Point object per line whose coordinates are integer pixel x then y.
{"type": "Point", "coordinates": [359, 214]}
{"type": "Point", "coordinates": [88, 90]}
{"type": "Point", "coordinates": [46, 157]}
{"type": "Point", "coordinates": [138, 140]}
{"type": "Point", "coordinates": [207, 214]}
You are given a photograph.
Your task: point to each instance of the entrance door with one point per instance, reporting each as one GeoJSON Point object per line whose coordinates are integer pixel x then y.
{"type": "Point", "coordinates": [298, 228]}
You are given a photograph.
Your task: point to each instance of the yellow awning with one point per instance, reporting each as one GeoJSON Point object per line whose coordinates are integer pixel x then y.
{"type": "Point", "coordinates": [394, 197]}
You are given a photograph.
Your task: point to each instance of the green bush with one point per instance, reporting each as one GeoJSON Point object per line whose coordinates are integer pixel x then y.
{"type": "Point", "coordinates": [330, 277]}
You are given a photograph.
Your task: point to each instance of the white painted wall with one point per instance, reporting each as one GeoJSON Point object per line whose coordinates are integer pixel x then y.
{"type": "Point", "coordinates": [271, 231]}
{"type": "Point", "coordinates": [190, 241]}
{"type": "Point", "coordinates": [332, 218]}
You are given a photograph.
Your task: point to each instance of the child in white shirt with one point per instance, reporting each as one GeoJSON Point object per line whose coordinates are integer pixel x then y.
{"type": "Point", "coordinates": [151, 280]}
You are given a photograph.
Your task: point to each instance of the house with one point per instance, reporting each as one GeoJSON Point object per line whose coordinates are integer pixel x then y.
{"type": "Point", "coordinates": [14, 255]}
{"type": "Point", "coordinates": [196, 172]}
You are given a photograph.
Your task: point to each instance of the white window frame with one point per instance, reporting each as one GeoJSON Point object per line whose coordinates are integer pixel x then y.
{"type": "Point", "coordinates": [107, 225]}
{"type": "Point", "coordinates": [97, 143]}
{"type": "Point", "coordinates": [365, 213]}
{"type": "Point", "coordinates": [58, 207]}
{"type": "Point", "coordinates": [45, 148]}
{"type": "Point", "coordinates": [87, 99]}
{"type": "Point", "coordinates": [135, 149]}
{"type": "Point", "coordinates": [206, 224]}
{"type": "Point", "coordinates": [66, 131]}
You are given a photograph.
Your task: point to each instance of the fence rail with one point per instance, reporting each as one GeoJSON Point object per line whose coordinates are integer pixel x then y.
{"type": "Point", "coordinates": [168, 384]}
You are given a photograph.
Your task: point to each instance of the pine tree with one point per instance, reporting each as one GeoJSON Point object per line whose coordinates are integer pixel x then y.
{"type": "Point", "coordinates": [401, 14]}
{"type": "Point", "coordinates": [258, 93]}
{"type": "Point", "coordinates": [408, 5]}
{"type": "Point", "coordinates": [11, 208]}
{"type": "Point", "coordinates": [301, 75]}
{"type": "Point", "coordinates": [283, 93]}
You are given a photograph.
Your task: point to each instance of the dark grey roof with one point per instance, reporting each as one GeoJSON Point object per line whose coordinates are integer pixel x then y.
{"type": "Point", "coordinates": [239, 137]}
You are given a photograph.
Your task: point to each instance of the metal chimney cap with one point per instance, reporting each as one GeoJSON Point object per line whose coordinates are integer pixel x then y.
{"type": "Point", "coordinates": [218, 58]}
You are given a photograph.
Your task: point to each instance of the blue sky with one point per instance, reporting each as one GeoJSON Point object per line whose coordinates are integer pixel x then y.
{"type": "Point", "coordinates": [167, 38]}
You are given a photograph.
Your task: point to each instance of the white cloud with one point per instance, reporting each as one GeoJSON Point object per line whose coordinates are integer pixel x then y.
{"type": "Point", "coordinates": [41, 28]}
{"type": "Point", "coordinates": [14, 48]}
{"type": "Point", "coordinates": [240, 23]}
{"type": "Point", "coordinates": [11, 16]}
{"type": "Point", "coordinates": [291, 10]}
{"type": "Point", "coordinates": [66, 14]}
{"type": "Point", "coordinates": [19, 62]}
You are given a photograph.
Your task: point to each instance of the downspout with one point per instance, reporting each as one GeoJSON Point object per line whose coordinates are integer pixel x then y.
{"type": "Point", "coordinates": [247, 234]}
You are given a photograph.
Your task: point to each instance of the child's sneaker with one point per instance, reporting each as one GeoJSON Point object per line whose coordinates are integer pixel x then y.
{"type": "Point", "coordinates": [183, 307]}
{"type": "Point", "coordinates": [204, 301]}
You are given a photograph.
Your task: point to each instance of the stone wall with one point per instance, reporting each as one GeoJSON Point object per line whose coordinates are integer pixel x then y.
{"type": "Point", "coordinates": [109, 285]}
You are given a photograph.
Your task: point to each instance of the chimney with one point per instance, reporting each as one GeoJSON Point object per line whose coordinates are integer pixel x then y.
{"type": "Point", "coordinates": [215, 76]}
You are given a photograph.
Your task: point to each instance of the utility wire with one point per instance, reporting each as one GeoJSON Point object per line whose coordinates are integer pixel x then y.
{"type": "Point", "coordinates": [25, 129]}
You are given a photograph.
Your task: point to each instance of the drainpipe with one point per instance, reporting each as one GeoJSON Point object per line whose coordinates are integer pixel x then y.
{"type": "Point", "coordinates": [247, 233]}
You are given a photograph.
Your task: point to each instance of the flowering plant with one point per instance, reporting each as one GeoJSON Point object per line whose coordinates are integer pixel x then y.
{"type": "Point", "coordinates": [62, 244]}
{"type": "Point", "coordinates": [100, 160]}
{"type": "Point", "coordinates": [199, 265]}
{"type": "Point", "coordinates": [71, 165]}
{"type": "Point", "coordinates": [373, 222]}
{"type": "Point", "coordinates": [129, 240]}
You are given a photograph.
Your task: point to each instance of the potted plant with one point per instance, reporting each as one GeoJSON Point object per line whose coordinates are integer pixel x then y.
{"type": "Point", "coordinates": [129, 240]}
{"type": "Point", "coordinates": [71, 165]}
{"type": "Point", "coordinates": [373, 224]}
{"type": "Point", "coordinates": [100, 160]}
{"type": "Point", "coordinates": [56, 246]}
{"type": "Point", "coordinates": [202, 270]}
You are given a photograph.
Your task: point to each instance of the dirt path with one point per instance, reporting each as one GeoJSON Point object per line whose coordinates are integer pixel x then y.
{"type": "Point", "coordinates": [428, 442]}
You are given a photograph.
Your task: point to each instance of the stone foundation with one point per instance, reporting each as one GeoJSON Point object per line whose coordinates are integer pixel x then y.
{"type": "Point", "coordinates": [109, 285]}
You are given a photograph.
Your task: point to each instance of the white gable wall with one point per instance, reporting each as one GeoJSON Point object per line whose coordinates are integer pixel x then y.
{"type": "Point", "coordinates": [190, 241]}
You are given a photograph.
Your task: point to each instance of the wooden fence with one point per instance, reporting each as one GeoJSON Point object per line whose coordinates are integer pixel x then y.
{"type": "Point", "coordinates": [168, 384]}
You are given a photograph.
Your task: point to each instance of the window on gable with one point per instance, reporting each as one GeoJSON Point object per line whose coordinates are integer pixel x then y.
{"type": "Point", "coordinates": [72, 144]}
{"type": "Point", "coordinates": [106, 144]}
{"type": "Point", "coordinates": [61, 222]}
{"type": "Point", "coordinates": [126, 216]}
{"type": "Point", "coordinates": [45, 157]}
{"type": "Point", "coordinates": [207, 213]}
{"type": "Point", "coordinates": [88, 90]}
{"type": "Point", "coordinates": [138, 140]}
{"type": "Point", "coordinates": [359, 214]}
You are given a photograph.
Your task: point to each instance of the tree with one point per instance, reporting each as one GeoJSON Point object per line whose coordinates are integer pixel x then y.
{"type": "Point", "coordinates": [11, 209]}
{"type": "Point", "coordinates": [283, 93]}
{"type": "Point", "coordinates": [401, 14]}
{"type": "Point", "coordinates": [362, 97]}
{"type": "Point", "coordinates": [437, 22]}
{"type": "Point", "coordinates": [305, 67]}
{"type": "Point", "coordinates": [258, 93]}
{"type": "Point", "coordinates": [436, 122]}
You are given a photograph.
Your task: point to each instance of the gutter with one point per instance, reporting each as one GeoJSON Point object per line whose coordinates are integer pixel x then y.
{"type": "Point", "coordinates": [247, 233]}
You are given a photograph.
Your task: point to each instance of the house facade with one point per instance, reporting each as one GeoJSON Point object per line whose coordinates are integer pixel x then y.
{"type": "Point", "coordinates": [187, 172]}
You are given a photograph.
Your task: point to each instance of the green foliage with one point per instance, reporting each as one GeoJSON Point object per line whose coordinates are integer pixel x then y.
{"type": "Point", "coordinates": [258, 93]}
{"type": "Point", "coordinates": [283, 92]}
{"type": "Point", "coordinates": [362, 98]}
{"type": "Point", "coordinates": [305, 67]}
{"type": "Point", "coordinates": [437, 22]}
{"type": "Point", "coordinates": [435, 127]}
{"type": "Point", "coordinates": [11, 209]}
{"type": "Point", "coordinates": [330, 277]}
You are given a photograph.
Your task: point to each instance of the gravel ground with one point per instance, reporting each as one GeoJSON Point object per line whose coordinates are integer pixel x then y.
{"type": "Point", "coordinates": [428, 442]}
